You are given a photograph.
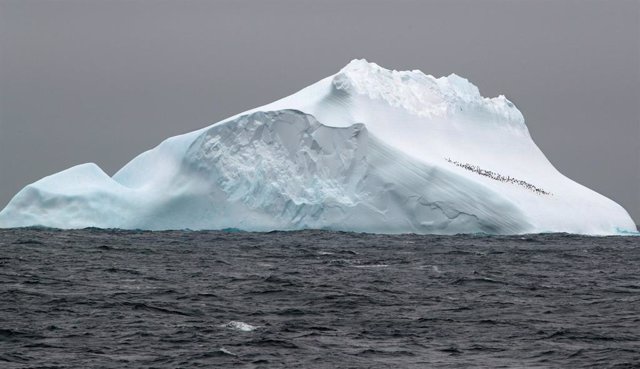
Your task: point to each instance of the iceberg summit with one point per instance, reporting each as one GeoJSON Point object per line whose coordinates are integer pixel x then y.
{"type": "Point", "coordinates": [367, 149]}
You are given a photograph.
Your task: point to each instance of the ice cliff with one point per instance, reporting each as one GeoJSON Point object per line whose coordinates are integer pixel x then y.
{"type": "Point", "coordinates": [367, 149]}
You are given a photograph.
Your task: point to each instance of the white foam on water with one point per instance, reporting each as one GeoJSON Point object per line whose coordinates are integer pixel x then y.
{"type": "Point", "coordinates": [240, 326]}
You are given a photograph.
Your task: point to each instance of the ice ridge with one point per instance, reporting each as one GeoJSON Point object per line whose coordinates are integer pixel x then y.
{"type": "Point", "coordinates": [422, 94]}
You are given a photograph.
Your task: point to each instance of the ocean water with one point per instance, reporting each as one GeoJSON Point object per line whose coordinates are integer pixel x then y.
{"type": "Point", "coordinates": [316, 299]}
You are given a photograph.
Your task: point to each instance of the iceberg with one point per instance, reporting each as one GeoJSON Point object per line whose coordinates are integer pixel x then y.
{"type": "Point", "coordinates": [367, 150]}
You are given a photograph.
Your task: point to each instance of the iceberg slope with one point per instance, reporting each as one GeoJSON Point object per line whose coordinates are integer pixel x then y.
{"type": "Point", "coordinates": [367, 149]}
{"type": "Point", "coordinates": [274, 170]}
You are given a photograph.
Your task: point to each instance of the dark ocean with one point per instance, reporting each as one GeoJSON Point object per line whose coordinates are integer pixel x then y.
{"type": "Point", "coordinates": [316, 299]}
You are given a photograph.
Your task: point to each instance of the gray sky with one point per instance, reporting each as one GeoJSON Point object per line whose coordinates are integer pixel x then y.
{"type": "Point", "coordinates": [102, 81]}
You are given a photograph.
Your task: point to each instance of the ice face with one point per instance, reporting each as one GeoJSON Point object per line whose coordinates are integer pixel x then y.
{"type": "Point", "coordinates": [367, 149]}
{"type": "Point", "coordinates": [424, 95]}
{"type": "Point", "coordinates": [276, 159]}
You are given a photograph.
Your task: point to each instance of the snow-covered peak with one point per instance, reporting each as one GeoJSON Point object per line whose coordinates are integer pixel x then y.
{"type": "Point", "coordinates": [424, 95]}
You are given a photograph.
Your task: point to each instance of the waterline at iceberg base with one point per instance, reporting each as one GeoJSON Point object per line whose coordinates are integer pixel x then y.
{"type": "Point", "coordinates": [366, 149]}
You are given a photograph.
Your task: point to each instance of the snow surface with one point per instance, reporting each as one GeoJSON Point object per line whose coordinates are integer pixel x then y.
{"type": "Point", "coordinates": [366, 149]}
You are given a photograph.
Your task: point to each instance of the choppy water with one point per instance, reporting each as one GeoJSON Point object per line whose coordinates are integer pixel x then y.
{"type": "Point", "coordinates": [316, 299]}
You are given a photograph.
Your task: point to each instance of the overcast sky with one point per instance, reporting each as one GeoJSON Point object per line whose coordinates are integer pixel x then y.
{"type": "Point", "coordinates": [102, 81]}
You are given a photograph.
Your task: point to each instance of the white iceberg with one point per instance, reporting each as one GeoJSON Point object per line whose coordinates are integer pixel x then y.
{"type": "Point", "coordinates": [366, 149]}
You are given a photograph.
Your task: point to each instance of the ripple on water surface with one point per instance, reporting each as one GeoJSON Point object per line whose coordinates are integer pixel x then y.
{"type": "Point", "coordinates": [98, 298]}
